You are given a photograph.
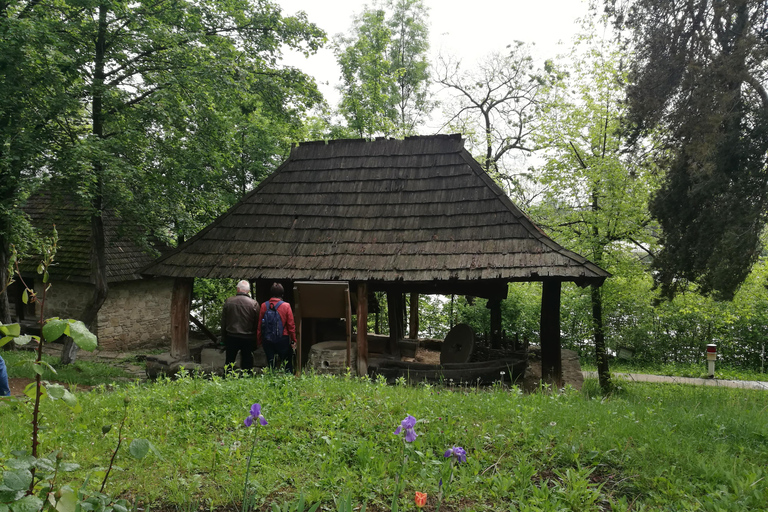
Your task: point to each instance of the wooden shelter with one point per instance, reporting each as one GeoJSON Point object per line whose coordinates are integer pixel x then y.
{"type": "Point", "coordinates": [400, 216]}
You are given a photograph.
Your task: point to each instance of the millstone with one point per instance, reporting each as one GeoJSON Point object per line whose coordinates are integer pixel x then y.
{"type": "Point", "coordinates": [458, 345]}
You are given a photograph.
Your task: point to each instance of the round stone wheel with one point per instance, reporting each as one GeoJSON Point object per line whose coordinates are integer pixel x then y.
{"type": "Point", "coordinates": [458, 345]}
{"type": "Point", "coordinates": [330, 357]}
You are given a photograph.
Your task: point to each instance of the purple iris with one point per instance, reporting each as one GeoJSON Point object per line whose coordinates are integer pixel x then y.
{"type": "Point", "coordinates": [407, 425]}
{"type": "Point", "coordinates": [458, 452]}
{"type": "Point", "coordinates": [255, 415]}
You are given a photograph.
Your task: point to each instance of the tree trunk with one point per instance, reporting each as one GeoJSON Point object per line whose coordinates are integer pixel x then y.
{"type": "Point", "coordinates": [495, 306]}
{"type": "Point", "coordinates": [98, 242]}
{"type": "Point", "coordinates": [603, 374]}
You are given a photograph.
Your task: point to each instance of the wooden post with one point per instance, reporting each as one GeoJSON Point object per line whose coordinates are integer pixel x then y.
{"type": "Point", "coordinates": [414, 320]}
{"type": "Point", "coordinates": [181, 301]}
{"type": "Point", "coordinates": [362, 329]}
{"type": "Point", "coordinates": [348, 308]}
{"type": "Point", "coordinates": [394, 312]}
{"type": "Point", "coordinates": [551, 363]}
{"type": "Point", "coordinates": [299, 320]}
{"type": "Point", "coordinates": [495, 306]}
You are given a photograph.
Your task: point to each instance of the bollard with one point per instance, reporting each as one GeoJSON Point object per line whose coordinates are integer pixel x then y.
{"type": "Point", "coordinates": [711, 357]}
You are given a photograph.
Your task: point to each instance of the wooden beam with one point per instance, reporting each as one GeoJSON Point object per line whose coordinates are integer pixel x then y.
{"type": "Point", "coordinates": [495, 306]}
{"type": "Point", "coordinates": [551, 363]}
{"type": "Point", "coordinates": [394, 312]}
{"type": "Point", "coordinates": [181, 301]}
{"type": "Point", "coordinates": [200, 325]}
{"type": "Point", "coordinates": [414, 317]}
{"type": "Point", "coordinates": [362, 329]}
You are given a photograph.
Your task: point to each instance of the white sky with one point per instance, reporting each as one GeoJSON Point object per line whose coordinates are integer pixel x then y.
{"type": "Point", "coordinates": [468, 30]}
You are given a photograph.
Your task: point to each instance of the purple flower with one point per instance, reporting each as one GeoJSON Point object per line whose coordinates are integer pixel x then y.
{"type": "Point", "coordinates": [255, 415]}
{"type": "Point", "coordinates": [458, 452]}
{"type": "Point", "coordinates": [407, 425]}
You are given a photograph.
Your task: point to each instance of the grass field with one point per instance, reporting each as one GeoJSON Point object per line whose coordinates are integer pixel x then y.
{"type": "Point", "coordinates": [646, 447]}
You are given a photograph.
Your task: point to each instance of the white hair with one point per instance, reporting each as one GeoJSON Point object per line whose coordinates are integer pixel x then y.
{"type": "Point", "coordinates": [243, 286]}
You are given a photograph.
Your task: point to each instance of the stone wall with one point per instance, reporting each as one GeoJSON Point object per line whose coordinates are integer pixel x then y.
{"type": "Point", "coordinates": [136, 313]}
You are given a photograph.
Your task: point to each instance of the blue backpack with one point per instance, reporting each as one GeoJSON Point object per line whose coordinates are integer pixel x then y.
{"type": "Point", "coordinates": [272, 324]}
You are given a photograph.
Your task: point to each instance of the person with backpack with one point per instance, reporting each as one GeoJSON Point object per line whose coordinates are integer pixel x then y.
{"type": "Point", "coordinates": [239, 326]}
{"type": "Point", "coordinates": [277, 330]}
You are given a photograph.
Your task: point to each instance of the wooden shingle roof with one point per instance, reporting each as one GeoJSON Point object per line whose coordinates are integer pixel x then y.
{"type": "Point", "coordinates": [413, 210]}
{"type": "Point", "coordinates": [124, 257]}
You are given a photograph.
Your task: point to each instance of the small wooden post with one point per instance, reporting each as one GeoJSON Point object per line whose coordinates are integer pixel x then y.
{"type": "Point", "coordinates": [551, 362]}
{"type": "Point", "coordinates": [362, 329]}
{"type": "Point", "coordinates": [348, 311]}
{"type": "Point", "coordinates": [181, 301]}
{"type": "Point", "coordinates": [495, 306]}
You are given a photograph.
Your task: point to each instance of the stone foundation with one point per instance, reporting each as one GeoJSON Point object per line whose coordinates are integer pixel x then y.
{"type": "Point", "coordinates": [136, 313]}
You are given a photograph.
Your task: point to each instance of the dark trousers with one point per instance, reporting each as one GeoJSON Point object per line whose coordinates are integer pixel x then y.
{"type": "Point", "coordinates": [238, 343]}
{"type": "Point", "coordinates": [279, 353]}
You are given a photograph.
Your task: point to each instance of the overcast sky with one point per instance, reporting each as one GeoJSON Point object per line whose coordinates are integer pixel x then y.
{"type": "Point", "coordinates": [468, 30]}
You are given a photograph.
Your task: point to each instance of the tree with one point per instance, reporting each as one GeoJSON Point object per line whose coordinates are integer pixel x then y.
{"type": "Point", "coordinates": [384, 70]}
{"type": "Point", "coordinates": [596, 193]}
{"type": "Point", "coordinates": [699, 73]}
{"type": "Point", "coordinates": [163, 88]}
{"type": "Point", "coordinates": [495, 106]}
{"type": "Point", "coordinates": [35, 74]}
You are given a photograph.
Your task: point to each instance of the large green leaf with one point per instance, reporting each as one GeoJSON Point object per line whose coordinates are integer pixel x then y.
{"type": "Point", "coordinates": [17, 479]}
{"type": "Point", "coordinates": [56, 391]}
{"type": "Point", "coordinates": [10, 329]}
{"type": "Point", "coordinates": [54, 328]}
{"type": "Point", "coordinates": [82, 337]}
{"type": "Point", "coordinates": [23, 340]}
{"type": "Point", "coordinates": [139, 448]}
{"type": "Point", "coordinates": [27, 504]}
{"type": "Point", "coordinates": [68, 500]}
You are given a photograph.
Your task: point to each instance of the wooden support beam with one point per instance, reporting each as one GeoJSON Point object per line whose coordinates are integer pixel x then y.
{"type": "Point", "coordinates": [495, 306]}
{"type": "Point", "coordinates": [394, 312]}
{"type": "Point", "coordinates": [414, 317]}
{"type": "Point", "coordinates": [181, 300]}
{"type": "Point", "coordinates": [362, 329]}
{"type": "Point", "coordinates": [551, 363]}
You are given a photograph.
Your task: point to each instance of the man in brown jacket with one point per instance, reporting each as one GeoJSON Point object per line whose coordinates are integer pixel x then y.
{"type": "Point", "coordinates": [239, 325]}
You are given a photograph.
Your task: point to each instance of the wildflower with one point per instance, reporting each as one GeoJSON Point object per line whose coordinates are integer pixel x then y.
{"type": "Point", "coordinates": [458, 452]}
{"type": "Point", "coordinates": [255, 415]}
{"type": "Point", "coordinates": [407, 425]}
{"type": "Point", "coordinates": [421, 499]}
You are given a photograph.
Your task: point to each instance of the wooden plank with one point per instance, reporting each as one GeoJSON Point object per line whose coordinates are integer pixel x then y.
{"type": "Point", "coordinates": [181, 300]}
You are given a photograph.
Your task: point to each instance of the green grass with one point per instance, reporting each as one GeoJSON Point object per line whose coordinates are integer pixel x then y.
{"type": "Point", "coordinates": [678, 370]}
{"type": "Point", "coordinates": [85, 373]}
{"type": "Point", "coordinates": [646, 447]}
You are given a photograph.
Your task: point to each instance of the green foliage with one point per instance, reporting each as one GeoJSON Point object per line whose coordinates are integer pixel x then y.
{"type": "Point", "coordinates": [208, 296]}
{"type": "Point", "coordinates": [712, 204]}
{"type": "Point", "coordinates": [385, 71]}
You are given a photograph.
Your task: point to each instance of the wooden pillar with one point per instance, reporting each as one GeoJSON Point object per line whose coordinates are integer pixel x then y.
{"type": "Point", "coordinates": [181, 301]}
{"type": "Point", "coordinates": [495, 306]}
{"type": "Point", "coordinates": [414, 316]}
{"type": "Point", "coordinates": [395, 314]}
{"type": "Point", "coordinates": [551, 363]}
{"type": "Point", "coordinates": [299, 320]}
{"type": "Point", "coordinates": [362, 329]}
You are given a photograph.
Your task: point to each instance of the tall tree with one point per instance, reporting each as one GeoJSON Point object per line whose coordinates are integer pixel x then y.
{"type": "Point", "coordinates": [495, 106]}
{"type": "Point", "coordinates": [699, 72]}
{"type": "Point", "coordinates": [36, 75]}
{"type": "Point", "coordinates": [178, 78]}
{"type": "Point", "coordinates": [596, 192]}
{"type": "Point", "coordinates": [384, 70]}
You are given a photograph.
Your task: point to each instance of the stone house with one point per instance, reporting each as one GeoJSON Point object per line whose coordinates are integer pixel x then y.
{"type": "Point", "coordinates": [137, 310]}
